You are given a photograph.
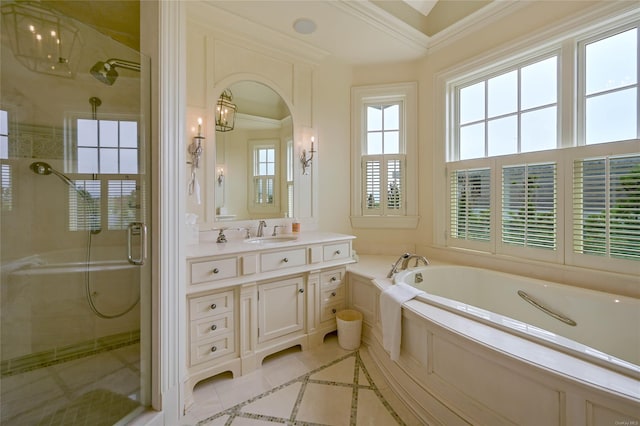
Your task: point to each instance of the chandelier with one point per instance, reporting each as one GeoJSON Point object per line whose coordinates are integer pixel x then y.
{"type": "Point", "coordinates": [41, 40]}
{"type": "Point", "coordinates": [225, 112]}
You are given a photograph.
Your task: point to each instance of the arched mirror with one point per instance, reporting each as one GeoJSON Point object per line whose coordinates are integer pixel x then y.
{"type": "Point", "coordinates": [254, 170]}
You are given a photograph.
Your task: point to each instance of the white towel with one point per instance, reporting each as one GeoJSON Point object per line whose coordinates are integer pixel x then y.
{"type": "Point", "coordinates": [391, 301]}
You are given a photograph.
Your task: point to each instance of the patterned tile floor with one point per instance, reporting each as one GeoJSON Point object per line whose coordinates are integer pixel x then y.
{"type": "Point", "coordinates": [94, 390]}
{"type": "Point", "coordinates": [323, 386]}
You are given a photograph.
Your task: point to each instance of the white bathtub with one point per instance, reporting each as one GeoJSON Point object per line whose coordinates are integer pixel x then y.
{"type": "Point", "coordinates": [607, 329]}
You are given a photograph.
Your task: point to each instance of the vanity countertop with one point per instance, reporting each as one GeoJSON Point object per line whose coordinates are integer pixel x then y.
{"type": "Point", "coordinates": [208, 246]}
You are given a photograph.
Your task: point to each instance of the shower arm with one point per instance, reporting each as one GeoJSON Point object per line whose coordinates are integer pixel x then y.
{"type": "Point", "coordinates": [122, 63]}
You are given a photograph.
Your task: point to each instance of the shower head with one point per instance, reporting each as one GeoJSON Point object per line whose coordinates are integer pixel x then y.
{"type": "Point", "coordinates": [42, 168]}
{"type": "Point", "coordinates": [106, 71]}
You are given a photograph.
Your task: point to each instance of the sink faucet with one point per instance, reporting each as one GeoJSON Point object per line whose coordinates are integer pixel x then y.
{"type": "Point", "coordinates": [261, 226]}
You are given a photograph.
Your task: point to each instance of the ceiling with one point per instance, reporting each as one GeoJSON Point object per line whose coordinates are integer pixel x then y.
{"type": "Point", "coordinates": [354, 31]}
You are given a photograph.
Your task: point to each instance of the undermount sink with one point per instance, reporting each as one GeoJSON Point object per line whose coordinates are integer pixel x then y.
{"type": "Point", "coordinates": [271, 240]}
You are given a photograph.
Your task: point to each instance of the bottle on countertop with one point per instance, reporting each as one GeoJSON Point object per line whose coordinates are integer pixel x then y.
{"type": "Point", "coordinates": [295, 226]}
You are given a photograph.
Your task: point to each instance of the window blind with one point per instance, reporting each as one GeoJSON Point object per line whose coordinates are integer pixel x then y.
{"type": "Point", "coordinates": [470, 202]}
{"type": "Point", "coordinates": [606, 207]}
{"type": "Point", "coordinates": [84, 205]}
{"type": "Point", "coordinates": [123, 203]}
{"type": "Point", "coordinates": [529, 216]}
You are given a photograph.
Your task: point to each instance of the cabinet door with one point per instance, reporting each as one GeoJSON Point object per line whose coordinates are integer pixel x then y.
{"type": "Point", "coordinates": [280, 308]}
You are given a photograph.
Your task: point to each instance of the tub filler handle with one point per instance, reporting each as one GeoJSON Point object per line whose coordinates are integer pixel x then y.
{"type": "Point", "coordinates": [546, 310]}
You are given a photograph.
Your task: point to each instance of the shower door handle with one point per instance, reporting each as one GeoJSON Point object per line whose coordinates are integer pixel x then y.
{"type": "Point", "coordinates": [137, 228]}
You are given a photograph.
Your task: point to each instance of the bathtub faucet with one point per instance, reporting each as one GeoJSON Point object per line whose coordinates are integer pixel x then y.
{"type": "Point", "coordinates": [405, 262]}
{"type": "Point", "coordinates": [394, 267]}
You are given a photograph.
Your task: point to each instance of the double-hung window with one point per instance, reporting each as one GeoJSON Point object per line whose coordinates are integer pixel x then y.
{"type": "Point", "coordinates": [537, 175]}
{"type": "Point", "coordinates": [6, 200]}
{"type": "Point", "coordinates": [107, 189]}
{"type": "Point", "coordinates": [384, 153]}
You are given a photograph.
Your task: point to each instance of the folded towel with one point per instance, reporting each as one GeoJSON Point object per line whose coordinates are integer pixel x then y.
{"type": "Point", "coordinates": [391, 301]}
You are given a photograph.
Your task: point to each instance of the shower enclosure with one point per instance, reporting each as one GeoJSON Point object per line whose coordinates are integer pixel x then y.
{"type": "Point", "coordinates": [74, 277]}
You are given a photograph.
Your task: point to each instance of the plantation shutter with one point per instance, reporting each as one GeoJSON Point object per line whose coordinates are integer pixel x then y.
{"type": "Point", "coordinates": [529, 206]}
{"type": "Point", "coordinates": [383, 185]}
{"type": "Point", "coordinates": [122, 202]}
{"type": "Point", "coordinates": [606, 207]}
{"type": "Point", "coordinates": [470, 202]}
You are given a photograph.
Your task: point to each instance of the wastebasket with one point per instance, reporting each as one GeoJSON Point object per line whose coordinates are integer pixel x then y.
{"type": "Point", "coordinates": [349, 329]}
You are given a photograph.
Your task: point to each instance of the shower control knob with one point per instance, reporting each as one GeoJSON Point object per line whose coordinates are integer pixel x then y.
{"type": "Point", "coordinates": [213, 349]}
{"type": "Point", "coordinates": [213, 327]}
{"type": "Point", "coordinates": [213, 306]}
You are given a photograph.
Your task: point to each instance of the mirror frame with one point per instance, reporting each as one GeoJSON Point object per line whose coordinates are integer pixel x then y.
{"type": "Point", "coordinates": [210, 155]}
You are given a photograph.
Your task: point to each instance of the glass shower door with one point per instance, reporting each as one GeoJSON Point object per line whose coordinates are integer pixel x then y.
{"type": "Point", "coordinates": [74, 277]}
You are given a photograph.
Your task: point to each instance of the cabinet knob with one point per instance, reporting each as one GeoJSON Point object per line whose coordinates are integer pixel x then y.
{"type": "Point", "coordinates": [333, 279]}
{"type": "Point", "coordinates": [337, 251]}
{"type": "Point", "coordinates": [301, 290]}
{"type": "Point", "coordinates": [213, 306]}
{"type": "Point", "coordinates": [333, 293]}
{"type": "Point", "coordinates": [334, 310]}
{"type": "Point", "coordinates": [215, 270]}
{"type": "Point", "coordinates": [213, 349]}
{"type": "Point", "coordinates": [213, 327]}
{"type": "Point", "coordinates": [285, 260]}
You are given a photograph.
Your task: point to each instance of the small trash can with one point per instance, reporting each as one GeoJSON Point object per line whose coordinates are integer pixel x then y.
{"type": "Point", "coordinates": [349, 329]}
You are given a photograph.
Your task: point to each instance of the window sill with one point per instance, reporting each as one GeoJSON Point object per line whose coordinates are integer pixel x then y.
{"type": "Point", "coordinates": [385, 222]}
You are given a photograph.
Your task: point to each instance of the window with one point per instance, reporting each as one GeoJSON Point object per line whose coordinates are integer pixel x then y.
{"type": "Point", "coordinates": [289, 183]}
{"type": "Point", "coordinates": [567, 173]}
{"type": "Point", "coordinates": [6, 185]}
{"type": "Point", "coordinates": [264, 188]}
{"type": "Point", "coordinates": [108, 150]}
{"type": "Point", "coordinates": [514, 111]}
{"type": "Point", "coordinates": [384, 150]}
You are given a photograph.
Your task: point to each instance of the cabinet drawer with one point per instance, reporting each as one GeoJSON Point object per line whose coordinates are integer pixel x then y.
{"type": "Point", "coordinates": [207, 328]}
{"type": "Point", "coordinates": [215, 348]}
{"type": "Point", "coordinates": [336, 251]}
{"type": "Point", "coordinates": [332, 278]}
{"type": "Point", "coordinates": [332, 295]}
{"type": "Point", "coordinates": [210, 305]}
{"type": "Point", "coordinates": [328, 312]}
{"type": "Point", "coordinates": [213, 270]}
{"type": "Point", "coordinates": [283, 259]}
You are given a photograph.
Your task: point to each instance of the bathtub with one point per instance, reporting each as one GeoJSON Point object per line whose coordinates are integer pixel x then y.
{"type": "Point", "coordinates": [600, 327]}
{"type": "Point", "coordinates": [474, 352]}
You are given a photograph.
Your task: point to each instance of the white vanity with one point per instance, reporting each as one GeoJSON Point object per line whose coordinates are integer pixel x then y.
{"type": "Point", "coordinates": [247, 299]}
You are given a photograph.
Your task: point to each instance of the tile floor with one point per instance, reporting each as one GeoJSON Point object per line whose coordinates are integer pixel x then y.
{"type": "Point", "coordinates": [326, 385]}
{"type": "Point", "coordinates": [94, 390]}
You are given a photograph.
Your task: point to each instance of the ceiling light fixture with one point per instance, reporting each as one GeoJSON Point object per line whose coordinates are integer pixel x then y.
{"type": "Point", "coordinates": [41, 40]}
{"type": "Point", "coordinates": [304, 26]}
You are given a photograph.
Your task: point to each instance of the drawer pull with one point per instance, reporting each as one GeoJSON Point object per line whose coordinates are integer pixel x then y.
{"type": "Point", "coordinates": [334, 310]}
{"type": "Point", "coordinates": [213, 327]}
{"type": "Point", "coordinates": [338, 252]}
{"type": "Point", "coordinates": [285, 260]}
{"type": "Point", "coordinates": [333, 294]}
{"type": "Point", "coordinates": [215, 270]}
{"type": "Point", "coordinates": [333, 279]}
{"type": "Point", "coordinates": [213, 306]}
{"type": "Point", "coordinates": [213, 349]}
{"type": "Point", "coordinates": [301, 290]}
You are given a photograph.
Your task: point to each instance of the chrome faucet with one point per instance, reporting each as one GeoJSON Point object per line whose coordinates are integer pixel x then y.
{"type": "Point", "coordinates": [394, 267]}
{"type": "Point", "coordinates": [405, 262]}
{"type": "Point", "coordinates": [261, 226]}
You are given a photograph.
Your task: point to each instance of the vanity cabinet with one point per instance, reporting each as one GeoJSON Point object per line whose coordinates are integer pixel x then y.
{"type": "Point", "coordinates": [248, 301]}
{"type": "Point", "coordinates": [280, 308]}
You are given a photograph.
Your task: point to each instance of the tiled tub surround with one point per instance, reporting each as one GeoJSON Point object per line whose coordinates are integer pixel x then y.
{"type": "Point", "coordinates": [247, 300]}
{"type": "Point", "coordinates": [454, 370]}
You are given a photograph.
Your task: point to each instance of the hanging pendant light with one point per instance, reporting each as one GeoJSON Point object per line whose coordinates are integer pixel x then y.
{"type": "Point", "coordinates": [225, 112]}
{"type": "Point", "coordinates": [41, 40]}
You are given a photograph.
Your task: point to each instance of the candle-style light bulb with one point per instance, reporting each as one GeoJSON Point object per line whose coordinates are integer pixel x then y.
{"type": "Point", "coordinates": [199, 125]}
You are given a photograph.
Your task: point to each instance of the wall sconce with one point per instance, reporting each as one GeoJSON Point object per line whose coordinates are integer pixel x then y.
{"type": "Point", "coordinates": [225, 112]}
{"type": "Point", "coordinates": [306, 162]}
{"type": "Point", "coordinates": [195, 148]}
{"type": "Point", "coordinates": [220, 177]}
